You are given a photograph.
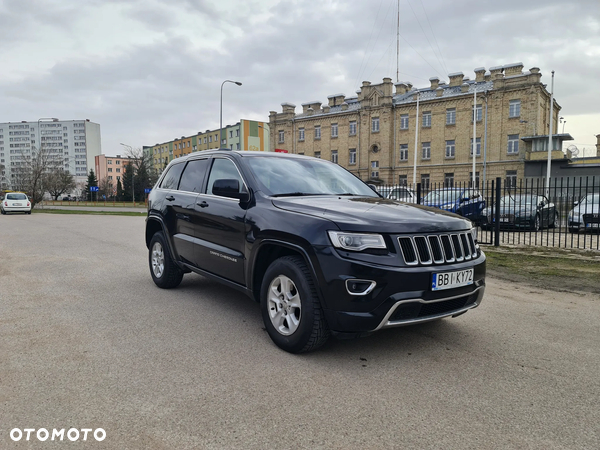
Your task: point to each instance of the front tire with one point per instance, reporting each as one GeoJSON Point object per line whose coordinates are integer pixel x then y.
{"type": "Point", "coordinates": [290, 307]}
{"type": "Point", "coordinates": [164, 271]}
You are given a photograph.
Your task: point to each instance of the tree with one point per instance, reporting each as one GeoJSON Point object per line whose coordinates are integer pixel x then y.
{"type": "Point", "coordinates": [119, 190]}
{"type": "Point", "coordinates": [91, 181]}
{"type": "Point", "coordinates": [106, 188]}
{"type": "Point", "coordinates": [31, 170]}
{"type": "Point", "coordinates": [58, 182]}
{"type": "Point", "coordinates": [128, 174]}
{"type": "Point", "coordinates": [144, 174]}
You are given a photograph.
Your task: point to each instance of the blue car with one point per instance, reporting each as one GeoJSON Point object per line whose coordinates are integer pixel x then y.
{"type": "Point", "coordinates": [466, 202]}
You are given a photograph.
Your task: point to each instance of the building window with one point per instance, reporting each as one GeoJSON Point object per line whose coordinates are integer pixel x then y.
{"type": "Point", "coordinates": [301, 134]}
{"type": "Point", "coordinates": [513, 144]}
{"type": "Point", "coordinates": [118, 161]}
{"type": "Point", "coordinates": [352, 157]}
{"type": "Point", "coordinates": [237, 133]}
{"type": "Point", "coordinates": [425, 182]}
{"type": "Point", "coordinates": [402, 180]}
{"type": "Point", "coordinates": [478, 113]}
{"type": "Point", "coordinates": [375, 125]}
{"type": "Point", "coordinates": [318, 132]}
{"type": "Point", "coordinates": [476, 179]}
{"type": "Point", "coordinates": [334, 156]}
{"type": "Point", "coordinates": [237, 146]}
{"type": "Point", "coordinates": [281, 136]}
{"type": "Point", "coordinates": [478, 143]}
{"type": "Point", "coordinates": [404, 122]}
{"type": "Point", "coordinates": [353, 128]}
{"type": "Point", "coordinates": [118, 170]}
{"type": "Point", "coordinates": [110, 169]}
{"type": "Point", "coordinates": [448, 180]}
{"type": "Point", "coordinates": [334, 130]}
{"type": "Point", "coordinates": [450, 148]}
{"type": "Point", "coordinates": [426, 150]}
{"type": "Point", "coordinates": [427, 119]}
{"type": "Point", "coordinates": [374, 169]}
{"type": "Point", "coordinates": [403, 152]}
{"type": "Point", "coordinates": [109, 162]}
{"type": "Point", "coordinates": [230, 133]}
{"type": "Point", "coordinates": [514, 108]}
{"type": "Point", "coordinates": [210, 138]}
{"type": "Point", "coordinates": [451, 116]}
{"type": "Point", "coordinates": [318, 155]}
{"type": "Point", "coordinates": [511, 179]}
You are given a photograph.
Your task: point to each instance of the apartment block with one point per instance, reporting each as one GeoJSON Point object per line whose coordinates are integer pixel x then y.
{"type": "Point", "coordinates": [75, 143]}
{"type": "Point", "coordinates": [110, 169]}
{"type": "Point", "coordinates": [377, 133]}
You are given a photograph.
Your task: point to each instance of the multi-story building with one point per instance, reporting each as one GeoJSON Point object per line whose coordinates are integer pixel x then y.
{"type": "Point", "coordinates": [74, 142]}
{"type": "Point", "coordinates": [377, 133]}
{"type": "Point", "coordinates": [110, 169]}
{"type": "Point", "coordinates": [244, 135]}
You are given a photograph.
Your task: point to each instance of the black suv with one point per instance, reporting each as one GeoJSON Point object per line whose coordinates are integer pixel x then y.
{"type": "Point", "coordinates": [317, 248]}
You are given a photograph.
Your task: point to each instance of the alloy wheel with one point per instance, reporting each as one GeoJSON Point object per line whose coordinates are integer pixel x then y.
{"type": "Point", "coordinates": [284, 305]}
{"type": "Point", "coordinates": [158, 260]}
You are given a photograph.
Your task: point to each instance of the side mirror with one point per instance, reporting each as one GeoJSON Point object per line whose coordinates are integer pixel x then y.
{"type": "Point", "coordinates": [576, 202]}
{"type": "Point", "coordinates": [229, 188]}
{"type": "Point", "coordinates": [373, 187]}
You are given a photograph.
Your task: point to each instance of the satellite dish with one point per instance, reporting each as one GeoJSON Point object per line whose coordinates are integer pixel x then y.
{"type": "Point", "coordinates": [573, 149]}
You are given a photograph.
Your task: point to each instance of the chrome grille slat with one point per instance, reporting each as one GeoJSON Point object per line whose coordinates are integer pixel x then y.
{"type": "Point", "coordinates": [438, 249]}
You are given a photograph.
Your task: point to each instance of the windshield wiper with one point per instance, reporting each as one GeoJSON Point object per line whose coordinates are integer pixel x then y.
{"type": "Point", "coordinates": [295, 194]}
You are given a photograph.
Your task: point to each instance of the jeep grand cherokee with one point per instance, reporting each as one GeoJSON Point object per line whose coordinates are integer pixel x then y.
{"type": "Point", "coordinates": [320, 251]}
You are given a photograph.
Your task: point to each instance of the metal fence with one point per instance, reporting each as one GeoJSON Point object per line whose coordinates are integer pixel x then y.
{"type": "Point", "coordinates": [518, 212]}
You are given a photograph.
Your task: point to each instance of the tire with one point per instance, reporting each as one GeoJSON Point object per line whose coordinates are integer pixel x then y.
{"type": "Point", "coordinates": [290, 307]}
{"type": "Point", "coordinates": [573, 230]}
{"type": "Point", "coordinates": [3, 212]}
{"type": "Point", "coordinates": [536, 224]}
{"type": "Point", "coordinates": [164, 271]}
{"type": "Point", "coordinates": [555, 221]}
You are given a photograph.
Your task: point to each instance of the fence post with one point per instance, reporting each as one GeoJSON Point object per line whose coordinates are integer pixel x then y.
{"type": "Point", "coordinates": [497, 213]}
{"type": "Point", "coordinates": [418, 193]}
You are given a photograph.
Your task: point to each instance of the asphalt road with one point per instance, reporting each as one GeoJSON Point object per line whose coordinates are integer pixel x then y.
{"type": "Point", "coordinates": [88, 341]}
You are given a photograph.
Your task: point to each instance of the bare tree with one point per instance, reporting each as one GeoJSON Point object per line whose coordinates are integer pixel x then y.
{"type": "Point", "coordinates": [31, 171]}
{"type": "Point", "coordinates": [145, 175]}
{"type": "Point", "coordinates": [57, 182]}
{"type": "Point", "coordinates": [105, 186]}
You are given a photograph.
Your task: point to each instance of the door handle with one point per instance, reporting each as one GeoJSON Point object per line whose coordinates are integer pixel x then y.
{"type": "Point", "coordinates": [202, 205]}
{"type": "Point", "coordinates": [170, 198]}
{"type": "Point", "coordinates": [183, 217]}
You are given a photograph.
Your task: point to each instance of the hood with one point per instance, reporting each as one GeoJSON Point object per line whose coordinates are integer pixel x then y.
{"type": "Point", "coordinates": [373, 214]}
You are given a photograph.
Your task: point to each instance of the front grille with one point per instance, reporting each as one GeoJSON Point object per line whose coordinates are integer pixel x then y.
{"type": "Point", "coordinates": [418, 310]}
{"type": "Point", "coordinates": [437, 249]}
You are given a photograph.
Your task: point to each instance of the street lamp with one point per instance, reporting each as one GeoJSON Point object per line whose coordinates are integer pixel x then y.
{"type": "Point", "coordinates": [221, 110]}
{"type": "Point", "coordinates": [132, 172]}
{"type": "Point", "coordinates": [562, 119]}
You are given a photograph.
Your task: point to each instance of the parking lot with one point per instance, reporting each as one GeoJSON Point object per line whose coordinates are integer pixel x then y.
{"type": "Point", "coordinates": [88, 341]}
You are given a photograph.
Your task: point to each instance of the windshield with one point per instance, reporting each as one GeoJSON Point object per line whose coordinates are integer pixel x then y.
{"type": "Point", "coordinates": [519, 200]}
{"type": "Point", "coordinates": [443, 196]}
{"type": "Point", "coordinates": [305, 176]}
{"type": "Point", "coordinates": [16, 197]}
{"type": "Point", "coordinates": [592, 199]}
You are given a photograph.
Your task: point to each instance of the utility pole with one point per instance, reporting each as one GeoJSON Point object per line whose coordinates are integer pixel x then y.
{"type": "Point", "coordinates": [549, 165]}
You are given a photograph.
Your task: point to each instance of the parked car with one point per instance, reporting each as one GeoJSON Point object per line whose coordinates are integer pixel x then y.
{"type": "Point", "coordinates": [315, 246]}
{"type": "Point", "coordinates": [523, 211]}
{"type": "Point", "coordinates": [585, 214]}
{"type": "Point", "coordinates": [463, 201]}
{"type": "Point", "coordinates": [68, 198]}
{"type": "Point", "coordinates": [15, 202]}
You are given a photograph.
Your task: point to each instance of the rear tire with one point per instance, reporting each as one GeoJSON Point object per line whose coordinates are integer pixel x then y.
{"type": "Point", "coordinates": [290, 307]}
{"type": "Point", "coordinates": [165, 273]}
{"type": "Point", "coordinates": [555, 222]}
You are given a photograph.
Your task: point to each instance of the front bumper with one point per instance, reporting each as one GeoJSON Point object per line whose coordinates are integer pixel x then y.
{"type": "Point", "coordinates": [402, 295]}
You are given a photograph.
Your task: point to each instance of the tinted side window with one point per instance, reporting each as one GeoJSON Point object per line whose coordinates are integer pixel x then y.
{"type": "Point", "coordinates": [171, 179]}
{"type": "Point", "coordinates": [223, 169]}
{"type": "Point", "coordinates": [193, 175]}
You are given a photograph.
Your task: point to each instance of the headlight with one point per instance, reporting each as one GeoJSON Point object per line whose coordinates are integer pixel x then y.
{"type": "Point", "coordinates": [355, 241]}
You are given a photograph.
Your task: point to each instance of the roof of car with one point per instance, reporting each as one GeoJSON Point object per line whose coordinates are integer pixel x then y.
{"type": "Point", "coordinates": [240, 153]}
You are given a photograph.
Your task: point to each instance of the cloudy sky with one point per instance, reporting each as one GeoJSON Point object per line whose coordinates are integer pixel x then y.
{"type": "Point", "coordinates": [149, 71]}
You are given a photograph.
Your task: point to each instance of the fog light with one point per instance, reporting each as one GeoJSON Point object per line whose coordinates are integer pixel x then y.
{"type": "Point", "coordinates": [360, 287]}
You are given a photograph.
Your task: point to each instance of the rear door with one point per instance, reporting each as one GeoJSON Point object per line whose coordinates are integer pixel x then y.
{"type": "Point", "coordinates": [221, 227]}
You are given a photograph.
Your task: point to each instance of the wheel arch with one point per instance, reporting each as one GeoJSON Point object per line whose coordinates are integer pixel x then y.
{"type": "Point", "coordinates": [154, 224]}
{"type": "Point", "coordinates": [270, 250]}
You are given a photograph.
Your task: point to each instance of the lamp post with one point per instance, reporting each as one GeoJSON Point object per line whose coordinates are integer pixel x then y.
{"type": "Point", "coordinates": [132, 172]}
{"type": "Point", "coordinates": [221, 110]}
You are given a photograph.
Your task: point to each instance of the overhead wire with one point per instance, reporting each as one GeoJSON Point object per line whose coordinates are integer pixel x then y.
{"type": "Point", "coordinates": [434, 38]}
{"type": "Point", "coordinates": [425, 34]}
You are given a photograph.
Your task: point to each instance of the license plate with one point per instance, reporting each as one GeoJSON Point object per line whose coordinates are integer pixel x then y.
{"type": "Point", "coordinates": [593, 225]}
{"type": "Point", "coordinates": [17, 204]}
{"type": "Point", "coordinates": [503, 219]}
{"type": "Point", "coordinates": [449, 280]}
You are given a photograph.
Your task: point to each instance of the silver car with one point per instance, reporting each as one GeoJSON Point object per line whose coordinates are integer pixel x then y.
{"type": "Point", "coordinates": [585, 215]}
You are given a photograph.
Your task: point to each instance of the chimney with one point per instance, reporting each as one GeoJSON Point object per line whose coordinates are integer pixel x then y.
{"type": "Point", "coordinates": [401, 88]}
{"type": "Point", "coordinates": [326, 109]}
{"type": "Point", "coordinates": [288, 108]}
{"type": "Point", "coordinates": [479, 74]}
{"type": "Point", "coordinates": [439, 91]}
{"type": "Point", "coordinates": [495, 70]}
{"type": "Point", "coordinates": [435, 82]}
{"type": "Point", "coordinates": [314, 105]}
{"type": "Point", "coordinates": [344, 106]}
{"type": "Point", "coordinates": [456, 79]}
{"type": "Point", "coordinates": [464, 87]}
{"type": "Point", "coordinates": [513, 69]}
{"type": "Point", "coordinates": [336, 99]}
